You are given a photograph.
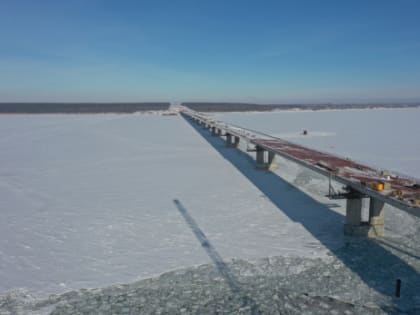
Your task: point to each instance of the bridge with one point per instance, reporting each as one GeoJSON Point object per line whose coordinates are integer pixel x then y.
{"type": "Point", "coordinates": [360, 181]}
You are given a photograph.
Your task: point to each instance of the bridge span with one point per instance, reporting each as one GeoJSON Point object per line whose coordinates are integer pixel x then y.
{"type": "Point", "coordinates": [360, 181]}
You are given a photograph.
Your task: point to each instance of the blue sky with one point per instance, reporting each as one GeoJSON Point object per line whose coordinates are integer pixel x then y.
{"type": "Point", "coordinates": [231, 50]}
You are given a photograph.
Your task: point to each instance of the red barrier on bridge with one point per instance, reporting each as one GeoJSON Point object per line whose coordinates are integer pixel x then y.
{"type": "Point", "coordinates": [403, 189]}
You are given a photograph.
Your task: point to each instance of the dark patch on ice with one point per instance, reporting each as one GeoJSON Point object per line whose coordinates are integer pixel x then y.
{"type": "Point", "coordinates": [277, 285]}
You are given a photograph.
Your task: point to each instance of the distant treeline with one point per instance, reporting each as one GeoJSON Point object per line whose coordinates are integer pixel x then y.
{"type": "Point", "coordinates": [243, 107]}
{"type": "Point", "coordinates": [44, 108]}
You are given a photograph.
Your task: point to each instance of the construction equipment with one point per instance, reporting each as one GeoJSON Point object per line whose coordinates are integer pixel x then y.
{"type": "Point", "coordinates": [377, 186]}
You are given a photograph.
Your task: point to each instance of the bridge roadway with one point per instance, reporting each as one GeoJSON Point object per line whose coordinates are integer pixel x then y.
{"type": "Point", "coordinates": [361, 180]}
{"type": "Point", "coordinates": [401, 193]}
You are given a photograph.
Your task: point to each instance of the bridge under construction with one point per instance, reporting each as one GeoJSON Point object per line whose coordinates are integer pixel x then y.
{"type": "Point", "coordinates": [360, 181]}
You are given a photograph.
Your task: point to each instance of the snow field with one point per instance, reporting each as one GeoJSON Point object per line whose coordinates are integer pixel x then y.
{"type": "Point", "coordinates": [87, 201]}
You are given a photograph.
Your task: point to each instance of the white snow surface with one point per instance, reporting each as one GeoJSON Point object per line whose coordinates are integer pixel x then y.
{"type": "Point", "coordinates": [87, 201]}
{"type": "Point", "coordinates": [385, 138]}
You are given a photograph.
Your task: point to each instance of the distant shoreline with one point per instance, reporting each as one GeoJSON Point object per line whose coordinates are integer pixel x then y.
{"type": "Point", "coordinates": [130, 108]}
{"type": "Point", "coordinates": [247, 107]}
{"type": "Point", "coordinates": [81, 108]}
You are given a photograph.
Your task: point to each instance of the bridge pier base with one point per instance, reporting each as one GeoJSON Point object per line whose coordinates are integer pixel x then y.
{"type": "Point", "coordinates": [213, 131]}
{"type": "Point", "coordinates": [377, 217]}
{"type": "Point", "coordinates": [262, 163]}
{"type": "Point", "coordinates": [229, 143]}
{"type": "Point", "coordinates": [354, 225]}
{"type": "Point", "coordinates": [236, 142]}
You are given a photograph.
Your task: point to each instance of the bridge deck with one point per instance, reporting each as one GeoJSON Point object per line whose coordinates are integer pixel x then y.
{"type": "Point", "coordinates": [402, 189]}
{"type": "Point", "coordinates": [401, 192]}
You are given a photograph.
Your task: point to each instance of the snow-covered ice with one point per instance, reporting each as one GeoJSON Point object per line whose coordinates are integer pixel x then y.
{"type": "Point", "coordinates": [87, 201]}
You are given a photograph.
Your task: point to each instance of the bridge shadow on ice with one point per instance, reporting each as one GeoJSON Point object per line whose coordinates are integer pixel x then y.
{"type": "Point", "coordinates": [375, 265]}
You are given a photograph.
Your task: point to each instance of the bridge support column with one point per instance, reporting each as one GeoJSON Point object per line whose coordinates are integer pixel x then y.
{"type": "Point", "coordinates": [260, 158]}
{"type": "Point", "coordinates": [376, 217]}
{"type": "Point", "coordinates": [213, 131]}
{"type": "Point", "coordinates": [354, 225]}
{"type": "Point", "coordinates": [229, 143]}
{"type": "Point", "coordinates": [236, 142]}
{"type": "Point", "coordinates": [262, 164]}
{"type": "Point", "coordinates": [271, 164]}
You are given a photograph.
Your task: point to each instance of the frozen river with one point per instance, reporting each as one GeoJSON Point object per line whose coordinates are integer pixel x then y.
{"type": "Point", "coordinates": [88, 200]}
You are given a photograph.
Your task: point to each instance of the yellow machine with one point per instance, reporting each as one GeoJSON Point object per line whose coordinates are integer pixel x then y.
{"type": "Point", "coordinates": [377, 186]}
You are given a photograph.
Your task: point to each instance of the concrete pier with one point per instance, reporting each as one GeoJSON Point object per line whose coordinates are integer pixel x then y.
{"type": "Point", "coordinates": [229, 140]}
{"type": "Point", "coordinates": [271, 163]}
{"type": "Point", "coordinates": [264, 159]}
{"type": "Point", "coordinates": [354, 226]}
{"type": "Point", "coordinates": [232, 141]}
{"type": "Point", "coordinates": [260, 157]}
{"type": "Point", "coordinates": [213, 131]}
{"type": "Point", "coordinates": [377, 217]}
{"type": "Point", "coordinates": [236, 141]}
